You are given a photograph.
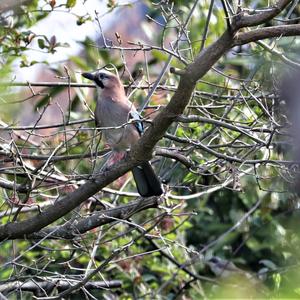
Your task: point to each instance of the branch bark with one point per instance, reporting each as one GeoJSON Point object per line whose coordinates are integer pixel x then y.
{"type": "Point", "coordinates": [99, 218]}
{"type": "Point", "coordinates": [44, 288]}
{"type": "Point", "coordinates": [265, 33]}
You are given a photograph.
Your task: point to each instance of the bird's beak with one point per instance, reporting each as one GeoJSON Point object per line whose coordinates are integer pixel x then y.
{"type": "Point", "coordinates": [90, 76]}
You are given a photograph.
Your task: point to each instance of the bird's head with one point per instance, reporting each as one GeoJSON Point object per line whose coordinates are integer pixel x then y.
{"type": "Point", "coordinates": [104, 79]}
{"type": "Point", "coordinates": [221, 267]}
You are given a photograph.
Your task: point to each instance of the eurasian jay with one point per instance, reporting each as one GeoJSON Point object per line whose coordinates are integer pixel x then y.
{"type": "Point", "coordinates": [113, 109]}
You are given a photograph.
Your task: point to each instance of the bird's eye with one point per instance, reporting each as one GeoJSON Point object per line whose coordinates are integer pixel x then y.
{"type": "Point", "coordinates": [101, 76]}
{"type": "Point", "coordinates": [214, 260]}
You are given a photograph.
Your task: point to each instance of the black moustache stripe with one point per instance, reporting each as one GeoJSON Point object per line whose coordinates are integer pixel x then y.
{"type": "Point", "coordinates": [99, 83]}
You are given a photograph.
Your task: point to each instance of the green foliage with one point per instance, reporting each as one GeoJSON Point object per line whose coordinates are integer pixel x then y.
{"type": "Point", "coordinates": [70, 3]}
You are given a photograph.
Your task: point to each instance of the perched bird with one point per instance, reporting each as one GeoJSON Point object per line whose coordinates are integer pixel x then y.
{"type": "Point", "coordinates": [222, 268]}
{"type": "Point", "coordinates": [113, 109]}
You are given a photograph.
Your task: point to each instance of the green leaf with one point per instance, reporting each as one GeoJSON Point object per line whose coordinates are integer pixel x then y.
{"type": "Point", "coordinates": [81, 63]}
{"type": "Point", "coordinates": [41, 43]}
{"type": "Point", "coordinates": [71, 3]}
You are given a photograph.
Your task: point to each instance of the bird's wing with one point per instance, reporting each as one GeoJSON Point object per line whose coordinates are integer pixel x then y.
{"type": "Point", "coordinates": [135, 116]}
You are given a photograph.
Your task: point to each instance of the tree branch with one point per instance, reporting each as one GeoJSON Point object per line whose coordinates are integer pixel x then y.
{"type": "Point", "coordinates": [241, 20]}
{"type": "Point", "coordinates": [44, 288]}
{"type": "Point", "coordinates": [66, 204]}
{"type": "Point", "coordinates": [265, 33]}
{"type": "Point", "coordinates": [99, 218]}
{"type": "Point", "coordinates": [142, 151]}
{"type": "Point", "coordinates": [203, 62]}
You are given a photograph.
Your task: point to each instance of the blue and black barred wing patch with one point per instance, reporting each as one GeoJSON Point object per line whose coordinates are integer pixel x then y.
{"type": "Point", "coordinates": [134, 115]}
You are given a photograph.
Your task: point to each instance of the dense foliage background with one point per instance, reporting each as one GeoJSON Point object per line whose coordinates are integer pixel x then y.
{"type": "Point", "coordinates": [227, 225]}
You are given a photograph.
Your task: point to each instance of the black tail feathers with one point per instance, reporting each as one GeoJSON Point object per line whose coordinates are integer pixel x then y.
{"type": "Point", "coordinates": [147, 182]}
